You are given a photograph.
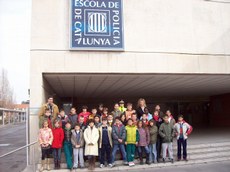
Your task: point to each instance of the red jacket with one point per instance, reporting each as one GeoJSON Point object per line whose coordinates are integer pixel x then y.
{"type": "Point", "coordinates": [58, 135]}
{"type": "Point", "coordinates": [85, 115]}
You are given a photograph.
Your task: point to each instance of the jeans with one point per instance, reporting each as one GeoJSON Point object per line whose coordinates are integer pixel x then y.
{"type": "Point", "coordinates": [168, 146]}
{"type": "Point", "coordinates": [78, 155]}
{"type": "Point", "coordinates": [68, 154]}
{"type": "Point", "coordinates": [152, 152]}
{"type": "Point", "coordinates": [183, 143]}
{"type": "Point", "coordinates": [105, 150]}
{"type": "Point", "coordinates": [57, 154]}
{"type": "Point", "coordinates": [141, 150]}
{"type": "Point", "coordinates": [116, 147]}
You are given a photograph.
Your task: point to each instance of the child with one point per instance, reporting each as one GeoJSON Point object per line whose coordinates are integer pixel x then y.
{"type": "Point", "coordinates": [110, 120]}
{"type": "Point", "coordinates": [100, 109]}
{"type": "Point", "coordinates": [145, 119]}
{"type": "Point", "coordinates": [153, 131]}
{"type": "Point", "coordinates": [132, 138]}
{"type": "Point", "coordinates": [93, 114]}
{"type": "Point", "coordinates": [82, 123]}
{"type": "Point", "coordinates": [97, 121]}
{"type": "Point", "coordinates": [67, 145]}
{"type": "Point", "coordinates": [77, 141]}
{"type": "Point", "coordinates": [171, 119]}
{"type": "Point", "coordinates": [91, 136]}
{"type": "Point", "coordinates": [105, 113]}
{"type": "Point", "coordinates": [123, 120]}
{"type": "Point", "coordinates": [63, 118]}
{"type": "Point", "coordinates": [143, 141]}
{"type": "Point", "coordinates": [58, 136]}
{"type": "Point", "coordinates": [149, 115]}
{"type": "Point", "coordinates": [45, 141]}
{"type": "Point", "coordinates": [182, 129]}
{"type": "Point", "coordinates": [46, 117]}
{"type": "Point", "coordinates": [116, 112]}
{"type": "Point", "coordinates": [73, 117]}
{"type": "Point", "coordinates": [105, 142]}
{"type": "Point", "coordinates": [122, 106]}
{"type": "Point", "coordinates": [118, 136]}
{"type": "Point", "coordinates": [129, 111]}
{"type": "Point", "coordinates": [167, 133]}
{"type": "Point", "coordinates": [158, 121]}
{"type": "Point", "coordinates": [84, 114]}
{"type": "Point", "coordinates": [134, 118]}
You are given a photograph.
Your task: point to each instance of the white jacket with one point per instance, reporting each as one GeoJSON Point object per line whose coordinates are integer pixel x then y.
{"type": "Point", "coordinates": [187, 129]}
{"type": "Point", "coordinates": [91, 136]}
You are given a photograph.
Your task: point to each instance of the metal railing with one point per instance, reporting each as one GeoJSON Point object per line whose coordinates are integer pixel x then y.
{"type": "Point", "coordinates": [23, 147]}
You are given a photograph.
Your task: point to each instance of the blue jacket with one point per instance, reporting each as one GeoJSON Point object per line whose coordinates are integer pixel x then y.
{"type": "Point", "coordinates": [118, 132]}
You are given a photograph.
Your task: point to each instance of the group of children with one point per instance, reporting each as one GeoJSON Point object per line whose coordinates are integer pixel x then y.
{"type": "Point", "coordinates": [99, 135]}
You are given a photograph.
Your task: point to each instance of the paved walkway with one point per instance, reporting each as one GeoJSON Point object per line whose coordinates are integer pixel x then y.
{"type": "Point", "coordinates": [13, 137]}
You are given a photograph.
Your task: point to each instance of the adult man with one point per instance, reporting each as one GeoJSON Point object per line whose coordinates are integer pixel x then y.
{"type": "Point", "coordinates": [51, 106]}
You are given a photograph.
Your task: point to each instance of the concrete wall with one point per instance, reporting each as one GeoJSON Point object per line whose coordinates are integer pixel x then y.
{"type": "Point", "coordinates": [161, 36]}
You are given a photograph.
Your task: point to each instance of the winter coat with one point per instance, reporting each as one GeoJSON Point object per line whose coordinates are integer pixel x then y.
{"type": "Point", "coordinates": [91, 136]}
{"type": "Point", "coordinates": [67, 135]}
{"type": "Point", "coordinates": [58, 135]}
{"type": "Point", "coordinates": [144, 137]}
{"type": "Point", "coordinates": [73, 119]}
{"type": "Point", "coordinates": [54, 111]}
{"type": "Point", "coordinates": [118, 132]}
{"type": "Point", "coordinates": [166, 132]}
{"type": "Point", "coordinates": [85, 115]}
{"type": "Point", "coordinates": [74, 139]}
{"type": "Point", "coordinates": [153, 131]}
{"type": "Point", "coordinates": [101, 135]}
{"type": "Point", "coordinates": [63, 120]}
{"type": "Point", "coordinates": [45, 136]}
{"type": "Point", "coordinates": [116, 113]}
{"type": "Point", "coordinates": [172, 120]}
{"type": "Point", "coordinates": [140, 112]}
{"type": "Point", "coordinates": [132, 135]}
{"type": "Point", "coordinates": [186, 129]}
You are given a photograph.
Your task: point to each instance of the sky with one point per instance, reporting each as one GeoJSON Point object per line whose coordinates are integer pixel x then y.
{"type": "Point", "coordinates": [15, 44]}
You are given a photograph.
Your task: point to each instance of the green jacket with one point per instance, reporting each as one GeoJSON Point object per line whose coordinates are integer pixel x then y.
{"type": "Point", "coordinates": [153, 131]}
{"type": "Point", "coordinates": [132, 135]}
{"type": "Point", "coordinates": [166, 132]}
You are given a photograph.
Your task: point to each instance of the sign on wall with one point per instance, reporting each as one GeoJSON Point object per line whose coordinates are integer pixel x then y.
{"type": "Point", "coordinates": [96, 25]}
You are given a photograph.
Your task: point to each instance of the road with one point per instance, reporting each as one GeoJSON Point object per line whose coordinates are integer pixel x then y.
{"type": "Point", "coordinates": [13, 137]}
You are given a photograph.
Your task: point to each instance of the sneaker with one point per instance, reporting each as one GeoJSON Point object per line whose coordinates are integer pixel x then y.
{"type": "Point", "coordinates": [126, 163]}
{"type": "Point", "coordinates": [178, 159]}
{"type": "Point", "coordinates": [111, 165]}
{"type": "Point", "coordinates": [172, 161]}
{"type": "Point", "coordinates": [102, 166]}
{"type": "Point", "coordinates": [131, 164]}
{"type": "Point", "coordinates": [163, 160]}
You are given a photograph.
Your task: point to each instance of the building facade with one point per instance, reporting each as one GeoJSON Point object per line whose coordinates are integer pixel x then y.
{"type": "Point", "coordinates": [176, 53]}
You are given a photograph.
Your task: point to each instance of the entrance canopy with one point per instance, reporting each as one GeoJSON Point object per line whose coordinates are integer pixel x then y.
{"type": "Point", "coordinates": [112, 86]}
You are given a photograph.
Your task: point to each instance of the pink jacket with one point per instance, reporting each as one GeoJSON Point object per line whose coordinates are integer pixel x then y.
{"type": "Point", "coordinates": [45, 136]}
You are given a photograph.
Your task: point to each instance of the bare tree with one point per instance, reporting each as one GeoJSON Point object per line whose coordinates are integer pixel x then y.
{"type": "Point", "coordinates": [6, 92]}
